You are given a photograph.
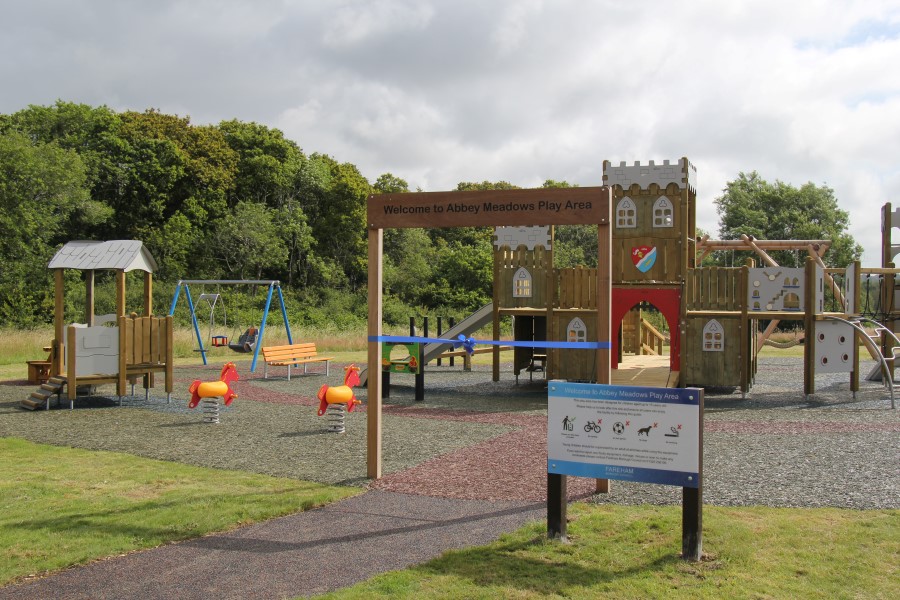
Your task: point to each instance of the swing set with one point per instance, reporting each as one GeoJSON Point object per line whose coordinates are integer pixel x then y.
{"type": "Point", "coordinates": [251, 339]}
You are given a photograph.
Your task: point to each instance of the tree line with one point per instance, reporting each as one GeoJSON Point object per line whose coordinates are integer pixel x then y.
{"type": "Point", "coordinates": [238, 200]}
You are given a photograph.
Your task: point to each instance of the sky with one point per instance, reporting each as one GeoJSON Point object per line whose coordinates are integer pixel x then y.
{"type": "Point", "coordinates": [437, 92]}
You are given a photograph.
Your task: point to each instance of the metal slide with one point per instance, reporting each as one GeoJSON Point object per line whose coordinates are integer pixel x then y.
{"type": "Point", "coordinates": [473, 322]}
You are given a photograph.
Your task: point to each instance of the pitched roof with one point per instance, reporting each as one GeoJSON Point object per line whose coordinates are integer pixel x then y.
{"type": "Point", "coordinates": [124, 255]}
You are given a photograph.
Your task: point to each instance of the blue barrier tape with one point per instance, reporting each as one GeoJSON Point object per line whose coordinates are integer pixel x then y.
{"type": "Point", "coordinates": [469, 343]}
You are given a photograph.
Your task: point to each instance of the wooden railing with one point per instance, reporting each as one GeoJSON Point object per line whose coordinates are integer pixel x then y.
{"type": "Point", "coordinates": [652, 340]}
{"type": "Point", "coordinates": [577, 288]}
{"type": "Point", "coordinates": [714, 289]}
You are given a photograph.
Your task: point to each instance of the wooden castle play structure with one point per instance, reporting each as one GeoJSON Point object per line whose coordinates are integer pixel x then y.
{"type": "Point", "coordinates": [712, 313]}
{"type": "Point", "coordinates": [118, 348]}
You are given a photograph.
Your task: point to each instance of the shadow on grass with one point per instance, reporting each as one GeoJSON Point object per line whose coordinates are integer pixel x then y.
{"type": "Point", "coordinates": [520, 565]}
{"type": "Point", "coordinates": [132, 521]}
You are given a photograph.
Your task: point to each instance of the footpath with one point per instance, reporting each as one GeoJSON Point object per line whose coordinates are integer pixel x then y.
{"type": "Point", "coordinates": [299, 555]}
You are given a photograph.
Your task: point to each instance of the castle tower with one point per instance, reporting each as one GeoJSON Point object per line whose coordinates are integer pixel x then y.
{"type": "Point", "coordinates": [654, 226]}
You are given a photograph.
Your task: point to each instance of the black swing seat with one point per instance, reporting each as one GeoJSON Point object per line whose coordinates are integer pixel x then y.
{"type": "Point", "coordinates": [246, 342]}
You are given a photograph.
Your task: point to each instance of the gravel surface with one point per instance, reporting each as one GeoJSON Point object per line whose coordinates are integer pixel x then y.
{"type": "Point", "coordinates": [476, 439]}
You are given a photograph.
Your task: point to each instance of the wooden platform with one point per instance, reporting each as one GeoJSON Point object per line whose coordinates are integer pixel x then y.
{"type": "Point", "coordinates": [644, 370]}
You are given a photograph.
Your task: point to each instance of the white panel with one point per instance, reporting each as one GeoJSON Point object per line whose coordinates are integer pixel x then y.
{"type": "Point", "coordinates": [776, 289]}
{"type": "Point", "coordinates": [834, 347]}
{"type": "Point", "coordinates": [96, 351]}
{"type": "Point", "coordinates": [522, 236]}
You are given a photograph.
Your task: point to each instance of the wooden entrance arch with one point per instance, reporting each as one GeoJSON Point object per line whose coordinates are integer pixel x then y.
{"type": "Point", "coordinates": [563, 206]}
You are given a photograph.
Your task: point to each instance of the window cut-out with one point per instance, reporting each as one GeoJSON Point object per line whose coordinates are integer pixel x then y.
{"type": "Point", "coordinates": [626, 214]}
{"type": "Point", "coordinates": [663, 213]}
{"type": "Point", "coordinates": [713, 337]}
{"type": "Point", "coordinates": [576, 331]}
{"type": "Point", "coordinates": [522, 284]}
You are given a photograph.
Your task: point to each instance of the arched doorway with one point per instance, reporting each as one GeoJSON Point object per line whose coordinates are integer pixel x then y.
{"type": "Point", "coordinates": [667, 300]}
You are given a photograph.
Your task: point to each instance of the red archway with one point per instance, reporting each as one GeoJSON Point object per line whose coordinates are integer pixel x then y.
{"type": "Point", "coordinates": [667, 300]}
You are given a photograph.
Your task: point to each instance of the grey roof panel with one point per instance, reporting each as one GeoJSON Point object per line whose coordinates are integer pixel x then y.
{"type": "Point", "coordinates": [124, 255]}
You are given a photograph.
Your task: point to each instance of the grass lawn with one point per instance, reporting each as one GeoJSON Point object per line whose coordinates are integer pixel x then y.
{"type": "Point", "coordinates": [632, 552]}
{"type": "Point", "coordinates": [63, 506]}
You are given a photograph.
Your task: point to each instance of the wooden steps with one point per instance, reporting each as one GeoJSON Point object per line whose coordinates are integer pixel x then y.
{"type": "Point", "coordinates": [41, 397]}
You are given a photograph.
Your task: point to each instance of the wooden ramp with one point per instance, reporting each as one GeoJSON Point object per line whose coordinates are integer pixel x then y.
{"type": "Point", "coordinates": [644, 370]}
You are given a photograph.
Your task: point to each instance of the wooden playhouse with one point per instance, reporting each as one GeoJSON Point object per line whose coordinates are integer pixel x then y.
{"type": "Point", "coordinates": [115, 348]}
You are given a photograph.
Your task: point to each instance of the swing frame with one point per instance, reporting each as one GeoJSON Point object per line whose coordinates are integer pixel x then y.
{"type": "Point", "coordinates": [273, 285]}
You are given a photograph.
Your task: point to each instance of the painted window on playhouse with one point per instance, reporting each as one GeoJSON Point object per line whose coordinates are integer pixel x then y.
{"type": "Point", "coordinates": [663, 214]}
{"type": "Point", "coordinates": [576, 331]}
{"type": "Point", "coordinates": [522, 284]}
{"type": "Point", "coordinates": [626, 214]}
{"type": "Point", "coordinates": [713, 337]}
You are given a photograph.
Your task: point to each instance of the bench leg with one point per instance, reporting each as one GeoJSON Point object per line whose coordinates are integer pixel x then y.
{"type": "Point", "coordinates": [304, 368]}
{"type": "Point", "coordinates": [326, 368]}
{"type": "Point", "coordinates": [265, 370]}
{"type": "Point", "coordinates": [289, 372]}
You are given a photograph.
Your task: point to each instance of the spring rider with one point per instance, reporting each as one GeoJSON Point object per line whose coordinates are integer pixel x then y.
{"type": "Point", "coordinates": [339, 400]}
{"type": "Point", "coordinates": [210, 392]}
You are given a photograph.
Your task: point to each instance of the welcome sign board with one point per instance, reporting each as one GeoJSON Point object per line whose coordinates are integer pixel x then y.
{"type": "Point", "coordinates": [650, 435]}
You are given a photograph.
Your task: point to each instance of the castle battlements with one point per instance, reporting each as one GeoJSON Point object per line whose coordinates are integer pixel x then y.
{"type": "Point", "coordinates": [682, 173]}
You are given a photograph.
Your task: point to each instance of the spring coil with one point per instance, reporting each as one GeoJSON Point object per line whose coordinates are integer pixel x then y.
{"type": "Point", "coordinates": [336, 414]}
{"type": "Point", "coordinates": [210, 408]}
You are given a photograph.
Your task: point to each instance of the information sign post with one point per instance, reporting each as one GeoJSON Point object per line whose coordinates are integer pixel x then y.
{"type": "Point", "coordinates": [641, 434]}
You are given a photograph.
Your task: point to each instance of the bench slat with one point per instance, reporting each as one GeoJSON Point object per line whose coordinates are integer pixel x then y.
{"type": "Point", "coordinates": [293, 355]}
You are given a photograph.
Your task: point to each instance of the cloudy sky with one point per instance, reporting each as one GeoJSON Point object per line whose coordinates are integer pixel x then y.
{"type": "Point", "coordinates": [443, 91]}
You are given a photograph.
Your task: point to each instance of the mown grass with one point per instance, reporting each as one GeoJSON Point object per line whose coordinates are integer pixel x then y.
{"type": "Point", "coordinates": [633, 552]}
{"type": "Point", "coordinates": [63, 506]}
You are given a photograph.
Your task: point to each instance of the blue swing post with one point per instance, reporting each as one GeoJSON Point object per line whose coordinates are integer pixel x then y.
{"type": "Point", "coordinates": [262, 326]}
{"type": "Point", "coordinates": [190, 301]}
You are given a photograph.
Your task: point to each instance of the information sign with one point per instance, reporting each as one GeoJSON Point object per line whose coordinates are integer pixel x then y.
{"type": "Point", "coordinates": [650, 435]}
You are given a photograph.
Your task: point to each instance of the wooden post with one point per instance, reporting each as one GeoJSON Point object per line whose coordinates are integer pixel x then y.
{"type": "Point", "coordinates": [853, 309]}
{"type": "Point", "coordinates": [557, 503]}
{"type": "Point", "coordinates": [148, 293]}
{"type": "Point", "coordinates": [809, 326]}
{"type": "Point", "coordinates": [170, 354]}
{"type": "Point", "coordinates": [440, 330]}
{"type": "Point", "coordinates": [89, 297]}
{"type": "Point", "coordinates": [692, 505]}
{"type": "Point", "coordinates": [373, 405]}
{"type": "Point", "coordinates": [124, 324]}
{"type": "Point", "coordinates": [746, 338]}
{"type": "Point", "coordinates": [120, 293]}
{"type": "Point", "coordinates": [71, 383]}
{"type": "Point", "coordinates": [452, 324]}
{"type": "Point", "coordinates": [692, 523]}
{"type": "Point", "coordinates": [58, 358]}
{"type": "Point", "coordinates": [604, 307]}
{"type": "Point", "coordinates": [886, 233]}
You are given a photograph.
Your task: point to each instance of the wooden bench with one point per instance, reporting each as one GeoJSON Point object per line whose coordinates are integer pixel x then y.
{"type": "Point", "coordinates": [292, 355]}
{"type": "Point", "coordinates": [38, 371]}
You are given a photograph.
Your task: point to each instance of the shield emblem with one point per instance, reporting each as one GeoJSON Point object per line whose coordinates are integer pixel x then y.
{"type": "Point", "coordinates": [643, 257]}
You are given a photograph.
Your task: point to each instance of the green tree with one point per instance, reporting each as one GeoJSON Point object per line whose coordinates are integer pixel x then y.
{"type": "Point", "coordinates": [43, 188]}
{"type": "Point", "coordinates": [250, 244]}
{"type": "Point", "coordinates": [334, 200]}
{"type": "Point", "coordinates": [779, 211]}
{"type": "Point", "coordinates": [390, 184]}
{"type": "Point", "coordinates": [268, 163]}
{"type": "Point", "coordinates": [92, 133]}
